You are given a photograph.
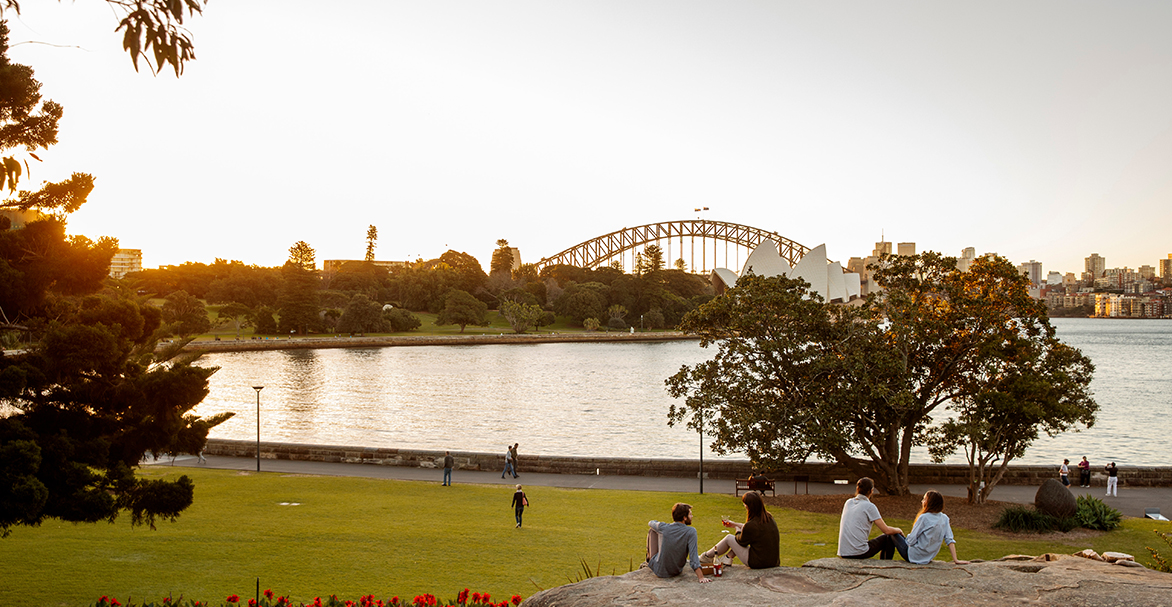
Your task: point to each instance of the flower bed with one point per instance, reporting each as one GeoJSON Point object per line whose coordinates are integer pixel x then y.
{"type": "Point", "coordinates": [465, 598]}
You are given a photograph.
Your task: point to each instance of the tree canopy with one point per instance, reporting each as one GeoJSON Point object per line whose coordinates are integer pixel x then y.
{"type": "Point", "coordinates": [795, 377]}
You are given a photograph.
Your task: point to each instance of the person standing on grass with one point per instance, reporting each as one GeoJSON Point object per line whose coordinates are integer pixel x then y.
{"type": "Point", "coordinates": [1064, 473]}
{"type": "Point", "coordinates": [1112, 480]}
{"type": "Point", "coordinates": [519, 503]}
{"type": "Point", "coordinates": [516, 461]}
{"type": "Point", "coordinates": [448, 462]}
{"type": "Point", "coordinates": [670, 545]}
{"type": "Point", "coordinates": [508, 461]}
{"type": "Point", "coordinates": [931, 530]}
{"type": "Point", "coordinates": [858, 514]}
{"type": "Point", "coordinates": [1084, 473]}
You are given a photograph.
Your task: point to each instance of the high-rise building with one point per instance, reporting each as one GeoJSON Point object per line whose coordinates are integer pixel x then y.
{"type": "Point", "coordinates": [906, 249]}
{"type": "Point", "coordinates": [125, 261]}
{"type": "Point", "coordinates": [1147, 272]}
{"type": "Point", "coordinates": [967, 256]}
{"type": "Point", "coordinates": [1054, 278]}
{"type": "Point", "coordinates": [881, 248]}
{"type": "Point", "coordinates": [1032, 270]}
{"type": "Point", "coordinates": [1095, 266]}
{"type": "Point", "coordinates": [1166, 267]}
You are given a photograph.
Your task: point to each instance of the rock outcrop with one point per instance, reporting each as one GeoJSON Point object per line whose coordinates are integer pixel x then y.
{"type": "Point", "coordinates": [1055, 499]}
{"type": "Point", "coordinates": [1048, 580]}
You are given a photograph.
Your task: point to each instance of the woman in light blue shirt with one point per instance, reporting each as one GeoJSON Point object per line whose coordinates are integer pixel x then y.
{"type": "Point", "coordinates": [930, 531]}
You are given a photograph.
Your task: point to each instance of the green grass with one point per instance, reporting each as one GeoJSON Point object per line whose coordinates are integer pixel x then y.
{"type": "Point", "coordinates": [352, 536]}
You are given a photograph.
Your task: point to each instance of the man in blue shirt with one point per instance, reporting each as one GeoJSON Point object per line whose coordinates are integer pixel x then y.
{"type": "Point", "coordinates": [670, 545]}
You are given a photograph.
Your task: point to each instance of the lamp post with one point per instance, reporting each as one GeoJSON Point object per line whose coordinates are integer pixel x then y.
{"type": "Point", "coordinates": [701, 450]}
{"type": "Point", "coordinates": [258, 389]}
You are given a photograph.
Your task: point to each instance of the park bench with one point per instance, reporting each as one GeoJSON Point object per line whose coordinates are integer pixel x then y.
{"type": "Point", "coordinates": [746, 485]}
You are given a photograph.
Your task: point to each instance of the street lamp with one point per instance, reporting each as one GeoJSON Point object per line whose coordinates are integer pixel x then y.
{"type": "Point", "coordinates": [258, 389]}
{"type": "Point", "coordinates": [701, 450]}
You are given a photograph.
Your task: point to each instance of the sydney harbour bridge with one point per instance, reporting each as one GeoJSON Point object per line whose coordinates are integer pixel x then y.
{"type": "Point", "coordinates": [703, 245]}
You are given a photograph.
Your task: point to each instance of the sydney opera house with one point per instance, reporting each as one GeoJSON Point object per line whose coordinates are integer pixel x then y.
{"type": "Point", "coordinates": [826, 278]}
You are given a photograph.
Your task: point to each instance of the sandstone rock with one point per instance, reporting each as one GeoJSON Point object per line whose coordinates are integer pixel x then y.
{"type": "Point", "coordinates": [1055, 499]}
{"type": "Point", "coordinates": [1056, 581]}
{"type": "Point", "coordinates": [1111, 557]}
{"type": "Point", "coordinates": [1089, 554]}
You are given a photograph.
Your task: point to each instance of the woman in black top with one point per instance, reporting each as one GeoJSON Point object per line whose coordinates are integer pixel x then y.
{"type": "Point", "coordinates": [519, 503]}
{"type": "Point", "coordinates": [756, 543]}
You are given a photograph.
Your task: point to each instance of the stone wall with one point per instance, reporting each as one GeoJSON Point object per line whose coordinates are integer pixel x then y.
{"type": "Point", "coordinates": [935, 474]}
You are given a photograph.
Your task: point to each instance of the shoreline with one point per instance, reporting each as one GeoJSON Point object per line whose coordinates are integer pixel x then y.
{"type": "Point", "coordinates": [389, 341]}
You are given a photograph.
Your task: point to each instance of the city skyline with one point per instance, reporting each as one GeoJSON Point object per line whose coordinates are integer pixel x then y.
{"type": "Point", "coordinates": [1040, 132]}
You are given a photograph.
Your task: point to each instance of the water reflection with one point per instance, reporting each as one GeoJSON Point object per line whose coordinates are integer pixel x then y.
{"type": "Point", "coordinates": [607, 399]}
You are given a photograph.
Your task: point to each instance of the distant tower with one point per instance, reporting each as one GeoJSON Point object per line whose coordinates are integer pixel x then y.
{"type": "Point", "coordinates": [907, 249]}
{"type": "Point", "coordinates": [1033, 271]}
{"type": "Point", "coordinates": [967, 256]}
{"type": "Point", "coordinates": [1096, 266]}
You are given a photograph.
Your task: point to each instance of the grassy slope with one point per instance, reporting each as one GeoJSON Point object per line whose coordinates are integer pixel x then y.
{"type": "Point", "coordinates": [359, 536]}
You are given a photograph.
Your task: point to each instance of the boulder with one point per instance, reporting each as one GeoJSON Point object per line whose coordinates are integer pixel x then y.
{"type": "Point", "coordinates": [1055, 499]}
{"type": "Point", "coordinates": [1049, 580]}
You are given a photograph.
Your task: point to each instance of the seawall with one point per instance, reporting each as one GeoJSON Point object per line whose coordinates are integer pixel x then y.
{"type": "Point", "coordinates": [308, 343]}
{"type": "Point", "coordinates": [937, 474]}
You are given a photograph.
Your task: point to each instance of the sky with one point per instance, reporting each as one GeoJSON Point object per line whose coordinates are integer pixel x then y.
{"type": "Point", "coordinates": [1039, 130]}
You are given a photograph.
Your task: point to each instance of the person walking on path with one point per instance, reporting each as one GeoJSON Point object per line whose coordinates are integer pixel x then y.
{"type": "Point", "coordinates": [516, 461]}
{"type": "Point", "coordinates": [519, 503]}
{"type": "Point", "coordinates": [1112, 480]}
{"type": "Point", "coordinates": [448, 461]}
{"type": "Point", "coordinates": [671, 545]}
{"type": "Point", "coordinates": [858, 514]}
{"type": "Point", "coordinates": [1064, 473]}
{"type": "Point", "coordinates": [508, 461]}
{"type": "Point", "coordinates": [1084, 473]}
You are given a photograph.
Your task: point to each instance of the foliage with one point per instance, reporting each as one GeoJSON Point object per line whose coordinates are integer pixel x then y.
{"type": "Point", "coordinates": [185, 314]}
{"type": "Point", "coordinates": [264, 321]}
{"type": "Point", "coordinates": [236, 313]}
{"type": "Point", "coordinates": [461, 308]}
{"type": "Point", "coordinates": [363, 316]}
{"type": "Point", "coordinates": [649, 260]}
{"type": "Point", "coordinates": [401, 320]}
{"type": "Point", "coordinates": [795, 377]}
{"type": "Point", "coordinates": [299, 300]}
{"type": "Point", "coordinates": [590, 324]}
{"type": "Point", "coordinates": [371, 240]}
{"type": "Point", "coordinates": [502, 260]}
{"type": "Point", "coordinates": [653, 319]}
{"type": "Point", "coordinates": [302, 255]}
{"type": "Point", "coordinates": [1162, 563]}
{"type": "Point", "coordinates": [40, 256]}
{"type": "Point", "coordinates": [1094, 514]}
{"type": "Point", "coordinates": [1019, 518]}
{"type": "Point", "coordinates": [521, 316]}
{"type": "Point", "coordinates": [617, 324]}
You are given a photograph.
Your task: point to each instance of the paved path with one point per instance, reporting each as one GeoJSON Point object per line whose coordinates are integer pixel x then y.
{"type": "Point", "coordinates": [1131, 501]}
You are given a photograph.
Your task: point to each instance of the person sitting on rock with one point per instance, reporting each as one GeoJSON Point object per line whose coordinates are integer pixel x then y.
{"type": "Point", "coordinates": [929, 532]}
{"type": "Point", "coordinates": [756, 542]}
{"type": "Point", "coordinates": [670, 545]}
{"type": "Point", "coordinates": [858, 514]}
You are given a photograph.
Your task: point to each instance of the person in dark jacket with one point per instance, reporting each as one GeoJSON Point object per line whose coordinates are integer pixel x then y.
{"type": "Point", "coordinates": [756, 543]}
{"type": "Point", "coordinates": [448, 463]}
{"type": "Point", "coordinates": [519, 503]}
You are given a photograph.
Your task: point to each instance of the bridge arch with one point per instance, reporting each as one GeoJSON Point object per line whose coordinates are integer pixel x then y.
{"type": "Point", "coordinates": [621, 244]}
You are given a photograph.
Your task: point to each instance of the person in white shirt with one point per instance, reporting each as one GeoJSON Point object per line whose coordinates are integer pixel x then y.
{"type": "Point", "coordinates": [931, 530]}
{"type": "Point", "coordinates": [1064, 472]}
{"type": "Point", "coordinates": [858, 515]}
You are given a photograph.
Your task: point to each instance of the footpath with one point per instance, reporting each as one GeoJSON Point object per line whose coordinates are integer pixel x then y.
{"type": "Point", "coordinates": [1131, 500]}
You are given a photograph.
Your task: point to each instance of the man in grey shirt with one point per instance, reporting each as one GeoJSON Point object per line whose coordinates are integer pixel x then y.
{"type": "Point", "coordinates": [858, 514]}
{"type": "Point", "coordinates": [670, 545]}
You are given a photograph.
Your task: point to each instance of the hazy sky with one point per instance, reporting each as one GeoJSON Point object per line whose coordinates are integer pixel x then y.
{"type": "Point", "coordinates": [1039, 130]}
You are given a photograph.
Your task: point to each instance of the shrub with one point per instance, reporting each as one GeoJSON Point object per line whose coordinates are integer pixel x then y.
{"type": "Point", "coordinates": [1094, 514]}
{"type": "Point", "coordinates": [1162, 563]}
{"type": "Point", "coordinates": [401, 320]}
{"type": "Point", "coordinates": [617, 324]}
{"type": "Point", "coordinates": [1019, 518]}
{"type": "Point", "coordinates": [591, 324]}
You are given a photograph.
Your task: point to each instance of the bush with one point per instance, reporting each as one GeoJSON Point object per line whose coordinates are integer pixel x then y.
{"type": "Point", "coordinates": [401, 320]}
{"type": "Point", "coordinates": [591, 324]}
{"type": "Point", "coordinates": [1162, 563]}
{"type": "Point", "coordinates": [1094, 514]}
{"type": "Point", "coordinates": [617, 324]}
{"type": "Point", "coordinates": [1019, 518]}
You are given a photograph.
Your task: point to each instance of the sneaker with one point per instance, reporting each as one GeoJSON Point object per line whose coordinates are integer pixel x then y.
{"type": "Point", "coordinates": [705, 559]}
{"type": "Point", "coordinates": [725, 561]}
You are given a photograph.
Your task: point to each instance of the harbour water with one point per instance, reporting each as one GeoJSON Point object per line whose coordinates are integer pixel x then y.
{"type": "Point", "coordinates": [608, 399]}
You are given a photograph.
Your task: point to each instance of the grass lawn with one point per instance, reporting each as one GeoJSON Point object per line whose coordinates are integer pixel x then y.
{"type": "Point", "coordinates": [352, 536]}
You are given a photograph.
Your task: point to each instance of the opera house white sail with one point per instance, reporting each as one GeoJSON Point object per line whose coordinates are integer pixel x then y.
{"type": "Point", "coordinates": [826, 277]}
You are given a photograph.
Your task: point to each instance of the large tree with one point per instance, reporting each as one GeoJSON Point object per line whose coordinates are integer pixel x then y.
{"type": "Point", "coordinates": [795, 377]}
{"type": "Point", "coordinates": [461, 308]}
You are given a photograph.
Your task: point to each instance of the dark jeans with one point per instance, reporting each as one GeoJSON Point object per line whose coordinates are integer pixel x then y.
{"type": "Point", "coordinates": [885, 546]}
{"type": "Point", "coordinates": [447, 476]}
{"type": "Point", "coordinates": [1084, 478]}
{"type": "Point", "coordinates": [519, 510]}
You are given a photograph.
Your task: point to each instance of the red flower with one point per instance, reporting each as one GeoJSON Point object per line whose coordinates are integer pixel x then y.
{"type": "Point", "coordinates": [233, 599]}
{"type": "Point", "coordinates": [317, 601]}
{"type": "Point", "coordinates": [115, 603]}
{"type": "Point", "coordinates": [516, 599]}
{"type": "Point", "coordinates": [253, 603]}
{"type": "Point", "coordinates": [475, 597]}
{"type": "Point", "coordinates": [269, 594]}
{"type": "Point", "coordinates": [166, 599]}
{"type": "Point", "coordinates": [463, 596]}
{"type": "Point", "coordinates": [395, 600]}
{"type": "Point", "coordinates": [486, 598]}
